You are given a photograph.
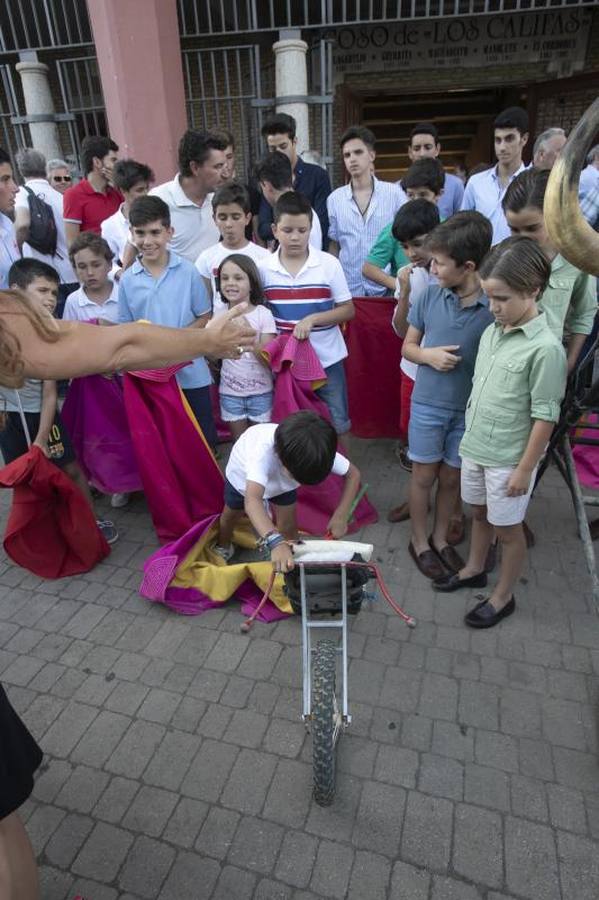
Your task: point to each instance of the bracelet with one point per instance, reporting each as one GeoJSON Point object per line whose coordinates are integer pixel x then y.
{"type": "Point", "coordinates": [271, 540]}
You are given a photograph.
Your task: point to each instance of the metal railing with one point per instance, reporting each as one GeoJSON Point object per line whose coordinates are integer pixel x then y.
{"type": "Point", "coordinates": [40, 24]}
{"type": "Point", "coordinates": [12, 137]}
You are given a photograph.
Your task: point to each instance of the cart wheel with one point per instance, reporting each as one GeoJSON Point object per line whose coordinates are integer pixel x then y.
{"type": "Point", "coordinates": [325, 722]}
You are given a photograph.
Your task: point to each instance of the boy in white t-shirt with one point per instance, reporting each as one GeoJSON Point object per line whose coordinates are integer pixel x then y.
{"type": "Point", "coordinates": [269, 462]}
{"type": "Point", "coordinates": [133, 180]}
{"type": "Point", "coordinates": [97, 298]}
{"type": "Point", "coordinates": [231, 209]}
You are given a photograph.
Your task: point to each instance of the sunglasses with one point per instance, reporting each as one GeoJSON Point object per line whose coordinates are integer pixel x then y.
{"type": "Point", "coordinates": [65, 178]}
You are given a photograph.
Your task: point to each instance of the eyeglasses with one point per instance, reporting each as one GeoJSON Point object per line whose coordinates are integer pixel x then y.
{"type": "Point", "coordinates": [61, 178]}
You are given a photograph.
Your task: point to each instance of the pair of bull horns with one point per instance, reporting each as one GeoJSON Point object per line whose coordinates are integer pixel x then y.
{"type": "Point", "coordinates": [568, 230]}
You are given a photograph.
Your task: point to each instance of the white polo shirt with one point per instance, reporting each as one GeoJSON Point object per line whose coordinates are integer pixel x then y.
{"type": "Point", "coordinates": [9, 250]}
{"type": "Point", "coordinates": [115, 231]}
{"type": "Point", "coordinates": [484, 193]}
{"type": "Point", "coordinates": [193, 225]}
{"type": "Point", "coordinates": [210, 259]}
{"type": "Point", "coordinates": [80, 308]}
{"type": "Point", "coordinates": [60, 261]}
{"type": "Point", "coordinates": [318, 287]}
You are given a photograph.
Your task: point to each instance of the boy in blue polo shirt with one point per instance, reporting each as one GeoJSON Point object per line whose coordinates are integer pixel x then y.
{"type": "Point", "coordinates": [449, 318]}
{"type": "Point", "coordinates": [166, 289]}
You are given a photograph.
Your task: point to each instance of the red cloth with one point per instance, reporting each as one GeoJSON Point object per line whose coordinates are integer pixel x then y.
{"type": "Point", "coordinates": [181, 479]}
{"type": "Point", "coordinates": [298, 370]}
{"type": "Point", "coordinates": [51, 528]}
{"type": "Point", "coordinates": [406, 387]}
{"type": "Point", "coordinates": [372, 369]}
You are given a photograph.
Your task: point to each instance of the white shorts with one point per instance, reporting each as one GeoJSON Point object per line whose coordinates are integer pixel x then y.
{"type": "Point", "coordinates": [487, 486]}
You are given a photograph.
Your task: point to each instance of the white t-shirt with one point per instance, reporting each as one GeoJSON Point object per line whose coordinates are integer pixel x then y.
{"type": "Point", "coordinates": [253, 458]}
{"type": "Point", "coordinates": [80, 308]}
{"type": "Point", "coordinates": [9, 250]}
{"type": "Point", "coordinates": [246, 376]}
{"type": "Point", "coordinates": [115, 231]}
{"type": "Point", "coordinates": [194, 227]}
{"type": "Point", "coordinates": [420, 280]}
{"type": "Point", "coordinates": [210, 259]}
{"type": "Point", "coordinates": [60, 261]}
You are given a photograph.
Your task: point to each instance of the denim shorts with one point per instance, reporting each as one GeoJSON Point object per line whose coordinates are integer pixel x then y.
{"type": "Point", "coordinates": [257, 408]}
{"type": "Point", "coordinates": [434, 434]}
{"type": "Point", "coordinates": [334, 394]}
{"type": "Point", "coordinates": [235, 500]}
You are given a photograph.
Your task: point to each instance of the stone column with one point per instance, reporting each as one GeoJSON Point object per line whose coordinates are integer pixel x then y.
{"type": "Point", "coordinates": [39, 107]}
{"type": "Point", "coordinates": [291, 83]}
{"type": "Point", "coordinates": [139, 58]}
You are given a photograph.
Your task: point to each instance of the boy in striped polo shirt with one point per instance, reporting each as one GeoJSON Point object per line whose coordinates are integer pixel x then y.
{"type": "Point", "coordinates": [307, 293]}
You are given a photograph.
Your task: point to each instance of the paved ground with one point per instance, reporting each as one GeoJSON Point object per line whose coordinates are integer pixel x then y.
{"type": "Point", "coordinates": [177, 766]}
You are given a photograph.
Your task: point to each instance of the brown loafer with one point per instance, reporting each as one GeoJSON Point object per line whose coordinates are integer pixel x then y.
{"type": "Point", "coordinates": [428, 563]}
{"type": "Point", "coordinates": [399, 513]}
{"type": "Point", "coordinates": [456, 531]}
{"type": "Point", "coordinates": [450, 558]}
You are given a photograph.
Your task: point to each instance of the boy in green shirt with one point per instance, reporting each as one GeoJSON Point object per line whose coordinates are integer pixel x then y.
{"type": "Point", "coordinates": [519, 382]}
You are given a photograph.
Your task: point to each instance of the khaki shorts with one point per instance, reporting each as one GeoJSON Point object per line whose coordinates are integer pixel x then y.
{"type": "Point", "coordinates": [487, 486]}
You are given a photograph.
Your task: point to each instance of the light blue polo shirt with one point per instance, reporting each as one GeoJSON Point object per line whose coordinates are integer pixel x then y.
{"type": "Point", "coordinates": [176, 299]}
{"type": "Point", "coordinates": [439, 315]}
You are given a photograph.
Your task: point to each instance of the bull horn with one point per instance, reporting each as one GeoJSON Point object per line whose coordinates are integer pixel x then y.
{"type": "Point", "coordinates": [568, 230]}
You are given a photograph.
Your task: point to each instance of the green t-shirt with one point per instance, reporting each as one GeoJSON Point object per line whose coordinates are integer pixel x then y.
{"type": "Point", "coordinates": [386, 251]}
{"type": "Point", "coordinates": [519, 376]}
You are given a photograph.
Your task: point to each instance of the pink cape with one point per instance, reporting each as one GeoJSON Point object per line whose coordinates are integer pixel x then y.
{"type": "Point", "coordinates": [181, 479]}
{"type": "Point", "coordinates": [95, 417]}
{"type": "Point", "coordinates": [586, 456]}
{"type": "Point", "coordinates": [298, 373]}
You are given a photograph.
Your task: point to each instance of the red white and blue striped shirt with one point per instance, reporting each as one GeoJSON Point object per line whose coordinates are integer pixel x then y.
{"type": "Point", "coordinates": [317, 288]}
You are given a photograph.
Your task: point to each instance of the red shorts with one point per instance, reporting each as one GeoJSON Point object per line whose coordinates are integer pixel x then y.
{"type": "Point", "coordinates": [405, 398]}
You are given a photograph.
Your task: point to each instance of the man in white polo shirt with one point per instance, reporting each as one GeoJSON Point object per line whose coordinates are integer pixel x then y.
{"type": "Point", "coordinates": [9, 252]}
{"type": "Point", "coordinates": [202, 168]}
{"type": "Point", "coordinates": [484, 192]}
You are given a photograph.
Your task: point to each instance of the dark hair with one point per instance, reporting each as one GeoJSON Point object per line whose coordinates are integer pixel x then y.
{"type": "Point", "coordinates": [196, 146]}
{"type": "Point", "coordinates": [520, 262]}
{"type": "Point", "coordinates": [4, 157]}
{"type": "Point", "coordinates": [247, 264]}
{"type": "Point", "coordinates": [414, 219]}
{"type": "Point", "coordinates": [24, 271]}
{"type": "Point", "coordinates": [228, 136]}
{"type": "Point", "coordinates": [128, 172]}
{"type": "Point", "coordinates": [425, 128]}
{"type": "Point", "coordinates": [292, 203]}
{"type": "Point", "coordinates": [466, 236]}
{"type": "Point", "coordinates": [95, 147]}
{"type": "Point", "coordinates": [276, 168]}
{"type": "Point", "coordinates": [281, 123]}
{"type": "Point", "coordinates": [358, 133]}
{"type": "Point", "coordinates": [149, 209]}
{"type": "Point", "coordinates": [233, 192]}
{"type": "Point", "coordinates": [306, 445]}
{"type": "Point", "coordinates": [526, 189]}
{"type": "Point", "coordinates": [513, 117]}
{"type": "Point", "coordinates": [427, 173]}
{"type": "Point", "coordinates": [89, 240]}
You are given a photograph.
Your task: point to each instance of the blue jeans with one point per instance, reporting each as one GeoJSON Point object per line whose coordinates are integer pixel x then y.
{"type": "Point", "coordinates": [334, 394]}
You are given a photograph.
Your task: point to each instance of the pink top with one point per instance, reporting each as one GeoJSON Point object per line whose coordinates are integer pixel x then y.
{"type": "Point", "coordinates": [246, 377]}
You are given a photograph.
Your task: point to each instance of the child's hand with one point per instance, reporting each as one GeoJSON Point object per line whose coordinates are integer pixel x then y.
{"type": "Point", "coordinates": [337, 526]}
{"type": "Point", "coordinates": [443, 359]}
{"type": "Point", "coordinates": [519, 482]}
{"type": "Point", "coordinates": [302, 329]}
{"type": "Point", "coordinates": [403, 280]}
{"type": "Point", "coordinates": [282, 558]}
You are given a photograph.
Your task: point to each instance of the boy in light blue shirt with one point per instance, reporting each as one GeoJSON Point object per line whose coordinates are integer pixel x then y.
{"type": "Point", "coordinates": [166, 289]}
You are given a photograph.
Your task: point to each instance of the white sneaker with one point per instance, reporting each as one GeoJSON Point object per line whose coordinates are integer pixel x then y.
{"type": "Point", "coordinates": [225, 552]}
{"type": "Point", "coordinates": [117, 501]}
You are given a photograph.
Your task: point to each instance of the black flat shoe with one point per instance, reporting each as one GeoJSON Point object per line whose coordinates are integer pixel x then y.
{"type": "Point", "coordinates": [453, 582]}
{"type": "Point", "coordinates": [484, 615]}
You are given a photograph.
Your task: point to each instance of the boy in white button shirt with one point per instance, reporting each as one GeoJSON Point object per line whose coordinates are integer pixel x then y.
{"type": "Point", "coordinates": [97, 298]}
{"type": "Point", "coordinates": [269, 462]}
{"type": "Point", "coordinates": [231, 206]}
{"type": "Point", "coordinates": [133, 179]}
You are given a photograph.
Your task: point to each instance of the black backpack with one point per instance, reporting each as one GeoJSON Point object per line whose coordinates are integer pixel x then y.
{"type": "Point", "coordinates": [43, 234]}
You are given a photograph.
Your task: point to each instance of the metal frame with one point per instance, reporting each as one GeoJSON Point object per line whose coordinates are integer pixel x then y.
{"type": "Point", "coordinates": [82, 99]}
{"type": "Point", "coordinates": [307, 625]}
{"type": "Point", "coordinates": [13, 134]}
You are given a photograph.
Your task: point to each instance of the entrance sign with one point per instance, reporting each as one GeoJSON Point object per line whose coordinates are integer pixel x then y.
{"type": "Point", "coordinates": [555, 37]}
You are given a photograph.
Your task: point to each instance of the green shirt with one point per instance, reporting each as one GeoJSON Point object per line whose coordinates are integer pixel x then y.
{"type": "Point", "coordinates": [386, 251]}
{"type": "Point", "coordinates": [519, 376]}
{"type": "Point", "coordinates": [569, 301]}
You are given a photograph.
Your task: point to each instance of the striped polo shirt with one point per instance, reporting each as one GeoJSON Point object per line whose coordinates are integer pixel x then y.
{"type": "Point", "coordinates": [317, 288]}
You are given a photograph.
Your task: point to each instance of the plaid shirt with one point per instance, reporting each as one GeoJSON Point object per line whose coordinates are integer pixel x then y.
{"type": "Point", "coordinates": [589, 206]}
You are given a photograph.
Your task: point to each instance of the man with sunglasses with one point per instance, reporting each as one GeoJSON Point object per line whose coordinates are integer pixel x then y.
{"type": "Point", "coordinates": [59, 175]}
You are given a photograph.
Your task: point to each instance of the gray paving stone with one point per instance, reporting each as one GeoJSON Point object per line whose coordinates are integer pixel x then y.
{"type": "Point", "coordinates": [289, 796]}
{"type": "Point", "coordinates": [574, 769]}
{"type": "Point", "coordinates": [397, 766]}
{"type": "Point", "coordinates": [51, 776]}
{"type": "Point", "coordinates": [528, 798]}
{"type": "Point", "coordinates": [237, 691]}
{"type": "Point", "coordinates": [172, 759]}
{"type": "Point", "coordinates": [500, 751]}
{"type": "Point", "coordinates": [453, 740]}
{"type": "Point", "coordinates": [416, 731]}
{"type": "Point", "coordinates": [487, 787]}
{"type": "Point", "coordinates": [530, 860]}
{"type": "Point", "coordinates": [563, 724]}
{"type": "Point", "coordinates": [103, 853]}
{"type": "Point", "coordinates": [42, 824]}
{"type": "Point", "coordinates": [159, 706]}
{"type": "Point", "coordinates": [478, 705]}
{"type": "Point", "coordinates": [136, 748]}
{"type": "Point", "coordinates": [54, 884]}
{"type": "Point", "coordinates": [209, 771]}
{"type": "Point", "coordinates": [190, 873]}
{"type": "Point", "coordinates": [227, 653]}
{"type": "Point", "coordinates": [566, 808]}
{"type": "Point", "coordinates": [127, 698]}
{"type": "Point", "coordinates": [441, 776]}
{"type": "Point", "coordinates": [66, 841]}
{"type": "Point", "coordinates": [285, 738]}
{"type": "Point", "coordinates": [85, 619]}
{"type": "Point", "coordinates": [44, 710]}
{"type": "Point", "coordinates": [451, 889]}
{"type": "Point", "coordinates": [579, 867]}
{"type": "Point", "coordinates": [82, 789]}
{"type": "Point", "coordinates": [332, 869]}
{"type": "Point", "coordinates": [215, 720]}
{"type": "Point", "coordinates": [337, 821]}
{"type": "Point", "coordinates": [208, 685]}
{"type": "Point", "coordinates": [22, 670]}
{"type": "Point", "coordinates": [379, 818]}
{"type": "Point", "coordinates": [150, 811]}
{"type": "Point", "coordinates": [185, 823]}
{"type": "Point", "coordinates": [216, 835]}
{"type": "Point", "coordinates": [68, 729]}
{"type": "Point", "coordinates": [409, 883]}
{"type": "Point", "coordinates": [426, 838]}
{"type": "Point", "coordinates": [263, 697]}
{"type": "Point", "coordinates": [478, 845]}
{"type": "Point", "coordinates": [439, 697]}
{"type": "Point", "coordinates": [272, 890]}
{"type": "Point", "coordinates": [536, 759]}
{"type": "Point", "coordinates": [68, 683]}
{"type": "Point", "coordinates": [101, 738]}
{"type": "Point", "coordinates": [260, 659]}
{"type": "Point", "coordinates": [130, 666]}
{"type": "Point", "coordinates": [256, 844]}
{"type": "Point", "coordinates": [188, 714]}
{"type": "Point", "coordinates": [356, 755]}
{"type": "Point", "coordinates": [296, 858]}
{"type": "Point", "coordinates": [400, 690]}
{"type": "Point", "coordinates": [246, 728]}
{"type": "Point", "coordinates": [370, 877]}
{"type": "Point", "coordinates": [146, 867]}
{"type": "Point", "coordinates": [114, 802]}
{"type": "Point", "coordinates": [234, 884]}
